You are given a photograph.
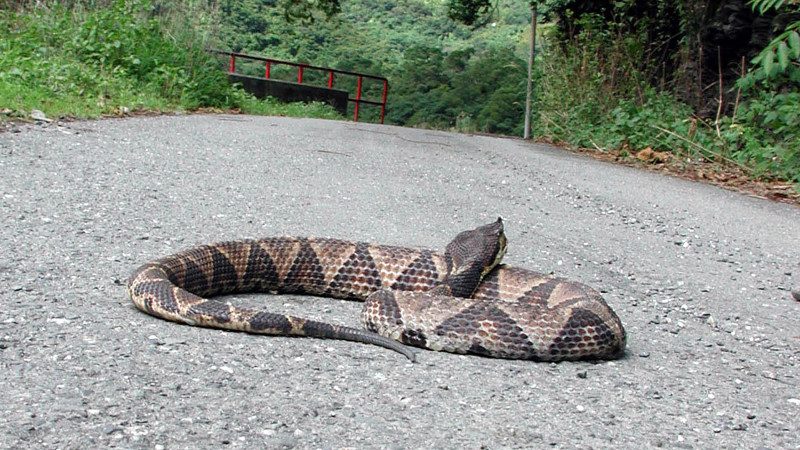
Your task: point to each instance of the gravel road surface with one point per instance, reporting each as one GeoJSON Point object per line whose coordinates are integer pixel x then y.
{"type": "Point", "coordinates": [701, 278]}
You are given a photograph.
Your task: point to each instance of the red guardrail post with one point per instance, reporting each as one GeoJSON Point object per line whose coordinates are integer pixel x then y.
{"type": "Point", "coordinates": [383, 98]}
{"type": "Point", "coordinates": [358, 98]}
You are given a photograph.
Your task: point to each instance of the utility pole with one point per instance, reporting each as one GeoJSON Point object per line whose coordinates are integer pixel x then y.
{"type": "Point", "coordinates": [531, 57]}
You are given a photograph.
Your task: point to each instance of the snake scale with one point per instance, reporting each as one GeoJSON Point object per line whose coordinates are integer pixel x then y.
{"type": "Point", "coordinates": [460, 300]}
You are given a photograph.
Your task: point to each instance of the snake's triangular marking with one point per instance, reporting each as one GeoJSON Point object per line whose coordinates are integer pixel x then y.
{"type": "Point", "coordinates": [551, 294]}
{"type": "Point", "coordinates": [194, 277]}
{"type": "Point", "coordinates": [224, 276]}
{"type": "Point", "coordinates": [358, 274]}
{"type": "Point", "coordinates": [157, 291]}
{"type": "Point", "coordinates": [175, 270]}
{"type": "Point", "coordinates": [391, 262]}
{"type": "Point", "coordinates": [332, 260]}
{"type": "Point", "coordinates": [540, 293]}
{"type": "Point", "coordinates": [267, 321]}
{"type": "Point", "coordinates": [567, 293]}
{"type": "Point", "coordinates": [237, 256]}
{"type": "Point", "coordinates": [582, 332]}
{"type": "Point", "coordinates": [260, 272]}
{"type": "Point", "coordinates": [283, 252]}
{"type": "Point", "coordinates": [422, 268]}
{"type": "Point", "coordinates": [212, 308]}
{"type": "Point", "coordinates": [511, 313]}
{"type": "Point", "coordinates": [479, 321]}
{"type": "Point", "coordinates": [305, 270]}
{"type": "Point", "coordinates": [185, 299]}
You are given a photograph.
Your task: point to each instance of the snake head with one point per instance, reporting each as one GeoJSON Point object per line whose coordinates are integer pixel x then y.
{"type": "Point", "coordinates": [502, 245]}
{"type": "Point", "coordinates": [473, 254]}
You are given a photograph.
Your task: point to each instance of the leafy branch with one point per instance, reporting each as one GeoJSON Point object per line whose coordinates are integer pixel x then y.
{"type": "Point", "coordinates": [782, 52]}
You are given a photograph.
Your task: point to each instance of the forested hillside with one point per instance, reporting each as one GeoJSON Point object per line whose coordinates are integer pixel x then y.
{"type": "Point", "coordinates": [660, 81]}
{"type": "Point", "coordinates": [442, 74]}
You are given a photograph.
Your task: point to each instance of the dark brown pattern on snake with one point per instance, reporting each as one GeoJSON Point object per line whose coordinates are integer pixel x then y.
{"type": "Point", "coordinates": [513, 312]}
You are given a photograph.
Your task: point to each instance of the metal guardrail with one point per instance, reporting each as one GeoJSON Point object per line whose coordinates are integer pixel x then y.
{"type": "Point", "coordinates": [302, 68]}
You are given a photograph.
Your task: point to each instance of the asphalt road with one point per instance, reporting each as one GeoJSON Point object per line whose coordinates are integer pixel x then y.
{"type": "Point", "coordinates": [701, 278]}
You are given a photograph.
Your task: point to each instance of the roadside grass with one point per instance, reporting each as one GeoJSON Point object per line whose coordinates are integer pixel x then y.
{"type": "Point", "coordinates": [118, 59]}
{"type": "Point", "coordinates": [596, 92]}
{"type": "Point", "coordinates": [274, 107]}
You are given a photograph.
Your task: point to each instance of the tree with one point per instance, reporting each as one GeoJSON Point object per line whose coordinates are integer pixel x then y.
{"type": "Point", "coordinates": [783, 52]}
{"type": "Point", "coordinates": [468, 11]}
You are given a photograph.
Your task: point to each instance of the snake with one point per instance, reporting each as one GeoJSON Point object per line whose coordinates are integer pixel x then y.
{"type": "Point", "coordinates": [461, 300]}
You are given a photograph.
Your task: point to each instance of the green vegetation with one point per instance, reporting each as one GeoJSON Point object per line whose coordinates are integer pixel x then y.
{"type": "Point", "coordinates": [124, 56]}
{"type": "Point", "coordinates": [622, 76]}
{"type": "Point", "coordinates": [442, 74]}
{"type": "Point", "coordinates": [596, 91]}
{"type": "Point", "coordinates": [600, 86]}
{"type": "Point", "coordinates": [439, 91]}
{"type": "Point", "coordinates": [617, 76]}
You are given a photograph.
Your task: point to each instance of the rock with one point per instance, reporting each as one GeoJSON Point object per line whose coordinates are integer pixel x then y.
{"type": "Point", "coordinates": [59, 320]}
{"type": "Point", "coordinates": [796, 294]}
{"type": "Point", "coordinates": [769, 375]}
{"type": "Point", "coordinates": [39, 115]}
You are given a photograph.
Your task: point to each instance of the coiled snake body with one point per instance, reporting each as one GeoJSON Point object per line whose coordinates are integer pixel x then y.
{"type": "Point", "coordinates": [460, 300]}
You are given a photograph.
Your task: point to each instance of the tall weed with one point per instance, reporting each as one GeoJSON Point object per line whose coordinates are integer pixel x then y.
{"type": "Point", "coordinates": [766, 134]}
{"type": "Point", "coordinates": [594, 90]}
{"type": "Point", "coordinates": [96, 57]}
